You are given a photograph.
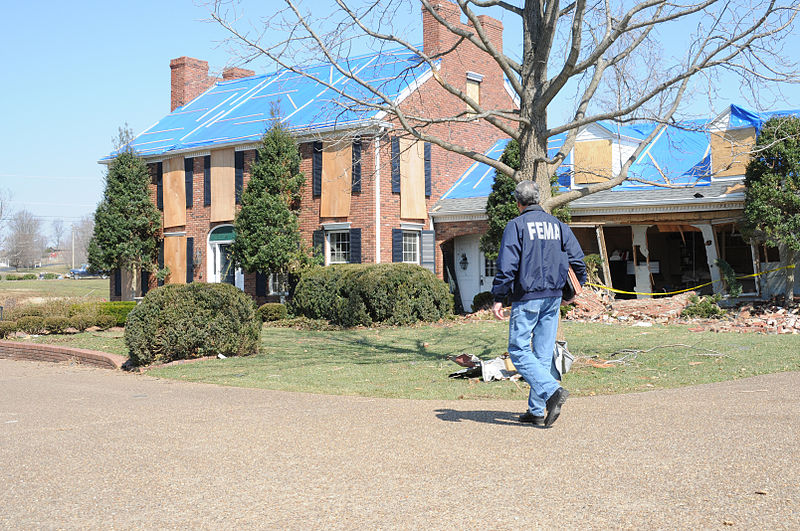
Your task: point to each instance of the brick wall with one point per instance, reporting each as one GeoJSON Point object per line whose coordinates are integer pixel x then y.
{"type": "Point", "coordinates": [16, 350]}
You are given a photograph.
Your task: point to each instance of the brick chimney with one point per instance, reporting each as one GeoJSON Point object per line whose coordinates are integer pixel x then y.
{"type": "Point", "coordinates": [234, 72]}
{"type": "Point", "coordinates": [189, 79]}
{"type": "Point", "coordinates": [438, 39]}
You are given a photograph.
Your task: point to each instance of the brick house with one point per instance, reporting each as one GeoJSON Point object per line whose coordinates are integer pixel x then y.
{"type": "Point", "coordinates": [369, 186]}
{"type": "Point", "coordinates": [660, 233]}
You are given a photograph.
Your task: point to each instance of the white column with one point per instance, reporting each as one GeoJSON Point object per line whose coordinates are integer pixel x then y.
{"type": "Point", "coordinates": [710, 242]}
{"type": "Point", "coordinates": [641, 271]}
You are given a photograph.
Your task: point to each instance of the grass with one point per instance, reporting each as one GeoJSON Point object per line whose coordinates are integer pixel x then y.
{"type": "Point", "coordinates": [410, 362]}
{"type": "Point", "coordinates": [20, 291]}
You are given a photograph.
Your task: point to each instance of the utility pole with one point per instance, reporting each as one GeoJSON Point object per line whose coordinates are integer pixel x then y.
{"type": "Point", "coordinates": [73, 246]}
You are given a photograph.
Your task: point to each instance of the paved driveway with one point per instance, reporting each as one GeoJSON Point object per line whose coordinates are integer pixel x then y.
{"type": "Point", "coordinates": [92, 448]}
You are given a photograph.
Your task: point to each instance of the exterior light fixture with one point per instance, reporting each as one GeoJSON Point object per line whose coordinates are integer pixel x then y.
{"type": "Point", "coordinates": [464, 263]}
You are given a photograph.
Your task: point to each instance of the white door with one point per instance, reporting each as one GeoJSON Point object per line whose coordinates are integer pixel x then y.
{"type": "Point", "coordinates": [468, 266]}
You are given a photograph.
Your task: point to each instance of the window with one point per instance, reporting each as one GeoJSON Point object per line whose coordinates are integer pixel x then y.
{"type": "Point", "coordinates": [339, 247]}
{"type": "Point", "coordinates": [473, 88]}
{"type": "Point", "coordinates": [278, 284]}
{"type": "Point", "coordinates": [410, 247]}
{"type": "Point", "coordinates": [489, 267]}
{"type": "Point", "coordinates": [220, 266]}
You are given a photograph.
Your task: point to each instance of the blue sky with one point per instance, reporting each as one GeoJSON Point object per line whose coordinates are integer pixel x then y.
{"type": "Point", "coordinates": [73, 72]}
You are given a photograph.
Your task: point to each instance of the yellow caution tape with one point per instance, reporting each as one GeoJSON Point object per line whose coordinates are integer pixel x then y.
{"type": "Point", "coordinates": [687, 289]}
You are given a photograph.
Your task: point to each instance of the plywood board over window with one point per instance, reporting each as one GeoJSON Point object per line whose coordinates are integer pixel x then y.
{"type": "Point", "coordinates": [174, 193]}
{"type": "Point", "coordinates": [223, 183]}
{"type": "Point", "coordinates": [592, 161]}
{"type": "Point", "coordinates": [337, 167]}
{"type": "Point", "coordinates": [730, 151]}
{"type": "Point", "coordinates": [412, 180]}
{"type": "Point", "coordinates": [175, 259]}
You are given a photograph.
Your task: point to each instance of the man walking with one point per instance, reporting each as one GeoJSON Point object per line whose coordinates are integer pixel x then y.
{"type": "Point", "coordinates": [535, 255]}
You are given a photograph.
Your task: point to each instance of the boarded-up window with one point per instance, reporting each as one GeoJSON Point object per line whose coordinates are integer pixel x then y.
{"type": "Point", "coordinates": [223, 181]}
{"type": "Point", "coordinates": [473, 92]}
{"type": "Point", "coordinates": [174, 192]}
{"type": "Point", "coordinates": [175, 259]}
{"type": "Point", "coordinates": [337, 165]}
{"type": "Point", "coordinates": [730, 151]}
{"type": "Point", "coordinates": [412, 180]}
{"type": "Point", "coordinates": [592, 161]}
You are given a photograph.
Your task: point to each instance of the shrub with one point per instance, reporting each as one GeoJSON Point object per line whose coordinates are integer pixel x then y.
{"type": "Point", "coordinates": [81, 322]}
{"type": "Point", "coordinates": [272, 311]}
{"type": "Point", "coordinates": [50, 308]}
{"type": "Point", "coordinates": [31, 324]}
{"type": "Point", "coordinates": [12, 276]}
{"type": "Point", "coordinates": [56, 325]}
{"type": "Point", "coordinates": [118, 309]}
{"type": "Point", "coordinates": [594, 264]}
{"type": "Point", "coordinates": [352, 295]}
{"type": "Point", "coordinates": [7, 328]}
{"type": "Point", "coordinates": [105, 321]}
{"type": "Point", "coordinates": [30, 276]}
{"type": "Point", "coordinates": [482, 301]}
{"type": "Point", "coordinates": [190, 321]}
{"type": "Point", "coordinates": [50, 276]}
{"type": "Point", "coordinates": [704, 308]}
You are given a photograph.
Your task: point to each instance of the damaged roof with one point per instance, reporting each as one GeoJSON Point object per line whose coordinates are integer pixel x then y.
{"type": "Point", "coordinates": [241, 110]}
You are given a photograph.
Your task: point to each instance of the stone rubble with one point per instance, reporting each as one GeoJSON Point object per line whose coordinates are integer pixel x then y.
{"type": "Point", "coordinates": [759, 317]}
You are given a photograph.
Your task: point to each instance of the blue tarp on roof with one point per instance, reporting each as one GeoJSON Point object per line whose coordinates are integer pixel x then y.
{"type": "Point", "coordinates": [741, 117]}
{"type": "Point", "coordinates": [239, 111]}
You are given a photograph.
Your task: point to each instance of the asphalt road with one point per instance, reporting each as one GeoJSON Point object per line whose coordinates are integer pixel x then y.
{"type": "Point", "coordinates": [98, 449]}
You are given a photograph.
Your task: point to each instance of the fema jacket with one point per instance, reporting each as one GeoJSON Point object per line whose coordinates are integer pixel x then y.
{"type": "Point", "coordinates": [535, 255]}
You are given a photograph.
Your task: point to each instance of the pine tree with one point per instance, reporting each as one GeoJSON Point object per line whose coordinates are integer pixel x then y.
{"type": "Point", "coordinates": [267, 228]}
{"type": "Point", "coordinates": [772, 191]}
{"type": "Point", "coordinates": [501, 206]}
{"type": "Point", "coordinates": [126, 222]}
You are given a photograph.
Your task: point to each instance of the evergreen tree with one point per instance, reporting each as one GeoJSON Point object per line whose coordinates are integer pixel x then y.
{"type": "Point", "coordinates": [126, 222]}
{"type": "Point", "coordinates": [501, 206]}
{"type": "Point", "coordinates": [267, 228]}
{"type": "Point", "coordinates": [772, 191]}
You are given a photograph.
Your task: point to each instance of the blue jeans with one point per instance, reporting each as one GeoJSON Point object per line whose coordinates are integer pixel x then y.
{"type": "Point", "coordinates": [535, 322]}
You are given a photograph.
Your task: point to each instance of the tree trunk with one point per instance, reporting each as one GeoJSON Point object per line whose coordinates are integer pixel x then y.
{"type": "Point", "coordinates": [134, 280]}
{"type": "Point", "coordinates": [788, 258]}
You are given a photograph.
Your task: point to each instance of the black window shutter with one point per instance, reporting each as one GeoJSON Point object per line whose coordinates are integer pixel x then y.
{"type": "Point", "coordinates": [316, 169]}
{"type": "Point", "coordinates": [356, 187]}
{"type": "Point", "coordinates": [117, 283]}
{"type": "Point", "coordinates": [318, 242]}
{"type": "Point", "coordinates": [188, 171]}
{"type": "Point", "coordinates": [189, 260]}
{"type": "Point", "coordinates": [427, 250]}
{"type": "Point", "coordinates": [145, 282]}
{"type": "Point", "coordinates": [397, 245]}
{"type": "Point", "coordinates": [161, 259]}
{"type": "Point", "coordinates": [395, 165]}
{"type": "Point", "coordinates": [239, 163]}
{"type": "Point", "coordinates": [256, 158]}
{"type": "Point", "coordinates": [355, 246]}
{"type": "Point", "coordinates": [261, 284]}
{"type": "Point", "coordinates": [160, 186]}
{"type": "Point", "coordinates": [427, 169]}
{"type": "Point", "coordinates": [207, 180]}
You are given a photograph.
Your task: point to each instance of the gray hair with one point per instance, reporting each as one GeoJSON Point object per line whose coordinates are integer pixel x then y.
{"type": "Point", "coordinates": [527, 193]}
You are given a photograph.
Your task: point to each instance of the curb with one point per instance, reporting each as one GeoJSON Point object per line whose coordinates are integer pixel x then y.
{"type": "Point", "coordinates": [17, 350]}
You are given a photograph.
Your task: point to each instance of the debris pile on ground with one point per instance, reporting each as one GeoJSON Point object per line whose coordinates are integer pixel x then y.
{"type": "Point", "coordinates": [766, 317]}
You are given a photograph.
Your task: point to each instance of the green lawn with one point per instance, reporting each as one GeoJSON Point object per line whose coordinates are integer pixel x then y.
{"type": "Point", "coordinates": [410, 362]}
{"type": "Point", "coordinates": [20, 291]}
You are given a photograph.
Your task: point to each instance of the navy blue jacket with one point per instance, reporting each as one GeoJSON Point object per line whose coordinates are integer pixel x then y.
{"type": "Point", "coordinates": [535, 254]}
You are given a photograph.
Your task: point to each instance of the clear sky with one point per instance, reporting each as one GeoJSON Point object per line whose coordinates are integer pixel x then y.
{"type": "Point", "coordinates": [73, 72]}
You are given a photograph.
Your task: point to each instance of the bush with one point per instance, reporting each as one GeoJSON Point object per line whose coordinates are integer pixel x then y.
{"type": "Point", "coordinates": [352, 295]}
{"type": "Point", "coordinates": [81, 322]}
{"type": "Point", "coordinates": [272, 311]}
{"type": "Point", "coordinates": [118, 309]}
{"type": "Point", "coordinates": [31, 324]}
{"type": "Point", "coordinates": [594, 264]}
{"type": "Point", "coordinates": [50, 276]}
{"type": "Point", "coordinates": [12, 276]}
{"type": "Point", "coordinates": [482, 301]}
{"type": "Point", "coordinates": [7, 328]}
{"type": "Point", "coordinates": [30, 276]}
{"type": "Point", "coordinates": [50, 308]}
{"type": "Point", "coordinates": [704, 308]}
{"type": "Point", "coordinates": [182, 321]}
{"type": "Point", "coordinates": [56, 325]}
{"type": "Point", "coordinates": [105, 321]}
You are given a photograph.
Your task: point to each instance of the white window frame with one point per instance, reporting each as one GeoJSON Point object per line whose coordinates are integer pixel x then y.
{"type": "Point", "coordinates": [329, 247]}
{"type": "Point", "coordinates": [212, 261]}
{"type": "Point", "coordinates": [415, 234]}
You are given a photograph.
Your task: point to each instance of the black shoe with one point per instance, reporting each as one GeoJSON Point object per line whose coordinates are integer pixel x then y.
{"type": "Point", "coordinates": [530, 418]}
{"type": "Point", "coordinates": [554, 404]}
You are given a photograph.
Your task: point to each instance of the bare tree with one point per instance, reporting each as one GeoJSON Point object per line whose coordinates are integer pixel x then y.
{"type": "Point", "coordinates": [605, 60]}
{"type": "Point", "coordinates": [81, 235]}
{"type": "Point", "coordinates": [57, 229]}
{"type": "Point", "coordinates": [25, 243]}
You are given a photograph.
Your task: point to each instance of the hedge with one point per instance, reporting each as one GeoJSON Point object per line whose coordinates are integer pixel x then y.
{"type": "Point", "coordinates": [272, 311]}
{"type": "Point", "coordinates": [183, 321]}
{"type": "Point", "coordinates": [117, 309]}
{"type": "Point", "coordinates": [356, 294]}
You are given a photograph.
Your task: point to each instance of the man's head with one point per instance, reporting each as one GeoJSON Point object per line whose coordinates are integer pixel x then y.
{"type": "Point", "coordinates": [527, 193]}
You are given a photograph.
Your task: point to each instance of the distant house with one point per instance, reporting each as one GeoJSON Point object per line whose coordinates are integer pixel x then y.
{"type": "Point", "coordinates": [369, 187]}
{"type": "Point", "coordinates": [661, 232]}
